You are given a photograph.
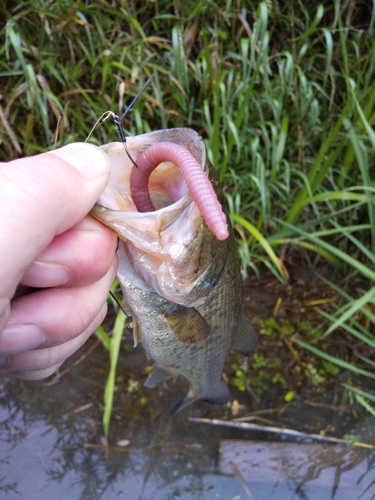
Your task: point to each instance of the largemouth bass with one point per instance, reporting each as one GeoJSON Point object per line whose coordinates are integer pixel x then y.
{"type": "Point", "coordinates": [181, 284]}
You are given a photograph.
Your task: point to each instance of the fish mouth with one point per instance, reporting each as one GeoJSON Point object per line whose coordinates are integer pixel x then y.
{"type": "Point", "coordinates": [161, 169]}
{"type": "Point", "coordinates": [175, 218]}
{"type": "Point", "coordinates": [166, 184]}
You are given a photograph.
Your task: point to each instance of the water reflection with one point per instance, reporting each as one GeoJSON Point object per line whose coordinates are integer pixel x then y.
{"type": "Point", "coordinates": [51, 447]}
{"type": "Point", "coordinates": [302, 466]}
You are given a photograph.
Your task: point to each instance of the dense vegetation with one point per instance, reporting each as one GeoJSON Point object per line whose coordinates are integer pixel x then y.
{"type": "Point", "coordinates": [282, 92]}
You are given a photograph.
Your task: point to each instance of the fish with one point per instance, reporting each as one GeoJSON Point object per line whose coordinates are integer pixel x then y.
{"type": "Point", "coordinates": [179, 273]}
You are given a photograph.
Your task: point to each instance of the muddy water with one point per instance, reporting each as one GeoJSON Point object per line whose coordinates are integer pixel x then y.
{"type": "Point", "coordinates": [52, 446]}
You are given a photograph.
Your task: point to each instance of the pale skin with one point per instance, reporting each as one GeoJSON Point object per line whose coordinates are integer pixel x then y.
{"type": "Point", "coordinates": [49, 242]}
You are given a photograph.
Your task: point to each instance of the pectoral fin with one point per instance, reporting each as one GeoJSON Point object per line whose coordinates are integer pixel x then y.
{"type": "Point", "coordinates": [188, 325]}
{"type": "Point", "coordinates": [136, 331]}
{"type": "Point", "coordinates": [126, 309]}
{"type": "Point", "coordinates": [157, 375]}
{"type": "Point", "coordinates": [245, 339]}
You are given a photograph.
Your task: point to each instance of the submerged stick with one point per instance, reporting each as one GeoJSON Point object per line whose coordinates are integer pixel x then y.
{"type": "Point", "coordinates": [278, 430]}
{"type": "Point", "coordinates": [241, 479]}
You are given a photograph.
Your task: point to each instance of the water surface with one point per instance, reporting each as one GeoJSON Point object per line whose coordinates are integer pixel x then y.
{"type": "Point", "coordinates": [52, 445]}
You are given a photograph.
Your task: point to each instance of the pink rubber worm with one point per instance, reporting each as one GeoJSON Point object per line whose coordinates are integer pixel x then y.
{"type": "Point", "coordinates": [198, 184]}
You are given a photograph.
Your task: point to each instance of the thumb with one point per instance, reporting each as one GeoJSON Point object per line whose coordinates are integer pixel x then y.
{"type": "Point", "coordinates": [43, 196]}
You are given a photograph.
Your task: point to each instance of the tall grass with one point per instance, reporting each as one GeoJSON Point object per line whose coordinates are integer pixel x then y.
{"type": "Point", "coordinates": [282, 92]}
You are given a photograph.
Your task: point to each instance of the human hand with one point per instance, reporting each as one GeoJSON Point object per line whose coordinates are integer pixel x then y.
{"type": "Point", "coordinates": [49, 243]}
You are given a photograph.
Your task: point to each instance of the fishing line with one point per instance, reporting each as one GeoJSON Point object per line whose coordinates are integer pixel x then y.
{"type": "Point", "coordinates": [118, 303]}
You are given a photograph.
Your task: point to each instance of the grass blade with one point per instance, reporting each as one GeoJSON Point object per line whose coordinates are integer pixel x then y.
{"type": "Point", "coordinates": [114, 349]}
{"type": "Point", "coordinates": [332, 359]}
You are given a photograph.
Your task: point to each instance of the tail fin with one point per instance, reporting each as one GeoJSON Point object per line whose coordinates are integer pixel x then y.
{"type": "Point", "coordinates": [220, 396]}
{"type": "Point", "coordinates": [181, 405]}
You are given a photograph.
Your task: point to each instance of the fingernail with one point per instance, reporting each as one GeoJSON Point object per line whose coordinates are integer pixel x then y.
{"type": "Point", "coordinates": [21, 338]}
{"type": "Point", "coordinates": [45, 274]}
{"type": "Point", "coordinates": [88, 159]}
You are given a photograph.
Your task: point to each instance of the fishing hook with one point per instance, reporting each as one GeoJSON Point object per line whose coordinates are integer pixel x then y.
{"type": "Point", "coordinates": [118, 121]}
